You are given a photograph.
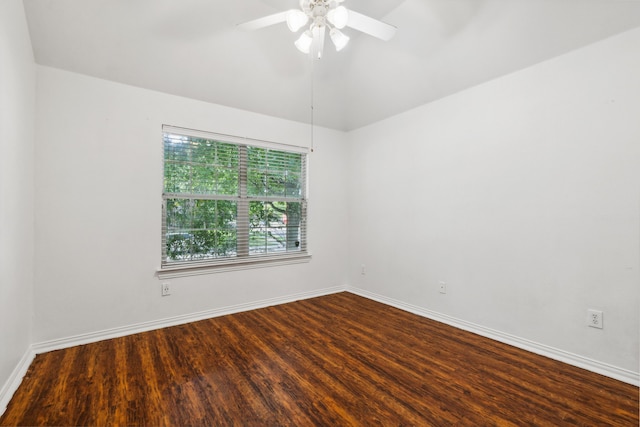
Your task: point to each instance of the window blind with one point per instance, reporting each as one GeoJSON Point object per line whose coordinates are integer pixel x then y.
{"type": "Point", "coordinates": [230, 200]}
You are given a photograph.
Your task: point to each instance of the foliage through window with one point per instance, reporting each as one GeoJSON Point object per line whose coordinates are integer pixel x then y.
{"type": "Point", "coordinates": [227, 202]}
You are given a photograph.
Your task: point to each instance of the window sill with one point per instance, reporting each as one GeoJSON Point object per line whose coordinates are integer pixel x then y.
{"type": "Point", "coordinates": [195, 269]}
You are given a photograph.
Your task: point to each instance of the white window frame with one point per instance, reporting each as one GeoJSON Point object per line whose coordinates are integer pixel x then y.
{"type": "Point", "coordinates": [246, 261]}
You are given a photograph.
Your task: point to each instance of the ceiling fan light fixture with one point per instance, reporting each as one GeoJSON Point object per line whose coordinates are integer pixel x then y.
{"type": "Point", "coordinates": [296, 19]}
{"type": "Point", "coordinates": [326, 16]}
{"type": "Point", "coordinates": [304, 42]}
{"type": "Point", "coordinates": [338, 17]}
{"type": "Point", "coordinates": [338, 38]}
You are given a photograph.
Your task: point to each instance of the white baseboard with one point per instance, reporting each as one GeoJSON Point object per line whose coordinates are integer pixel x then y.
{"type": "Point", "coordinates": [601, 368]}
{"type": "Point", "coordinates": [15, 379]}
{"type": "Point", "coordinates": [81, 339]}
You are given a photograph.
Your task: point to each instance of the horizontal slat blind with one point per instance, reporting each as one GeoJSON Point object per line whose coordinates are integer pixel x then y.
{"type": "Point", "coordinates": [227, 201]}
{"type": "Point", "coordinates": [233, 139]}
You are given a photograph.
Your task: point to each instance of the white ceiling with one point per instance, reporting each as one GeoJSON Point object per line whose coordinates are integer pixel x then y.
{"type": "Point", "coordinates": [192, 48]}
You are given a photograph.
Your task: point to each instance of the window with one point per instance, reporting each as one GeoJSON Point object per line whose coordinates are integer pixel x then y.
{"type": "Point", "coordinates": [228, 202]}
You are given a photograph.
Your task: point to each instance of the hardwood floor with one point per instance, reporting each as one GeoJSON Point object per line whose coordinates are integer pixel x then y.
{"type": "Point", "coordinates": [336, 360]}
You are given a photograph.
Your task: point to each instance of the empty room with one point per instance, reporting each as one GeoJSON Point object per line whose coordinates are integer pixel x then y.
{"type": "Point", "coordinates": [319, 212]}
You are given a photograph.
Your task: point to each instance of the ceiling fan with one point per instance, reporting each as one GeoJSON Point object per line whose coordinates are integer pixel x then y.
{"type": "Point", "coordinates": [323, 15]}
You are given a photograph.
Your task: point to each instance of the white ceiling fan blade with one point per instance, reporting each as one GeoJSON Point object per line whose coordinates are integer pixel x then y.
{"type": "Point", "coordinates": [265, 21]}
{"type": "Point", "coordinates": [371, 26]}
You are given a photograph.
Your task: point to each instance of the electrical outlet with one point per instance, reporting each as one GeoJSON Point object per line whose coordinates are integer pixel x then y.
{"type": "Point", "coordinates": [443, 288]}
{"type": "Point", "coordinates": [363, 271]}
{"type": "Point", "coordinates": [595, 318]}
{"type": "Point", "coordinates": [166, 289]}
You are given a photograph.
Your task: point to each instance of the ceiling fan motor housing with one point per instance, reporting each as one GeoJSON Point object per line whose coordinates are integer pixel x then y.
{"type": "Point", "coordinates": [318, 8]}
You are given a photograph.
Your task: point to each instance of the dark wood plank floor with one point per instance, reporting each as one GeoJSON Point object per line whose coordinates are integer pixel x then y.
{"type": "Point", "coordinates": [336, 360]}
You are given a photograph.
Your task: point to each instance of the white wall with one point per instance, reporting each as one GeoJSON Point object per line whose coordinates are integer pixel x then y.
{"type": "Point", "coordinates": [98, 200]}
{"type": "Point", "coordinates": [522, 194]}
{"type": "Point", "coordinates": [17, 117]}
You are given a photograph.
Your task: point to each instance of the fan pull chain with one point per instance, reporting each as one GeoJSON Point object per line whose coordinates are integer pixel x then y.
{"type": "Point", "coordinates": [312, 94]}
